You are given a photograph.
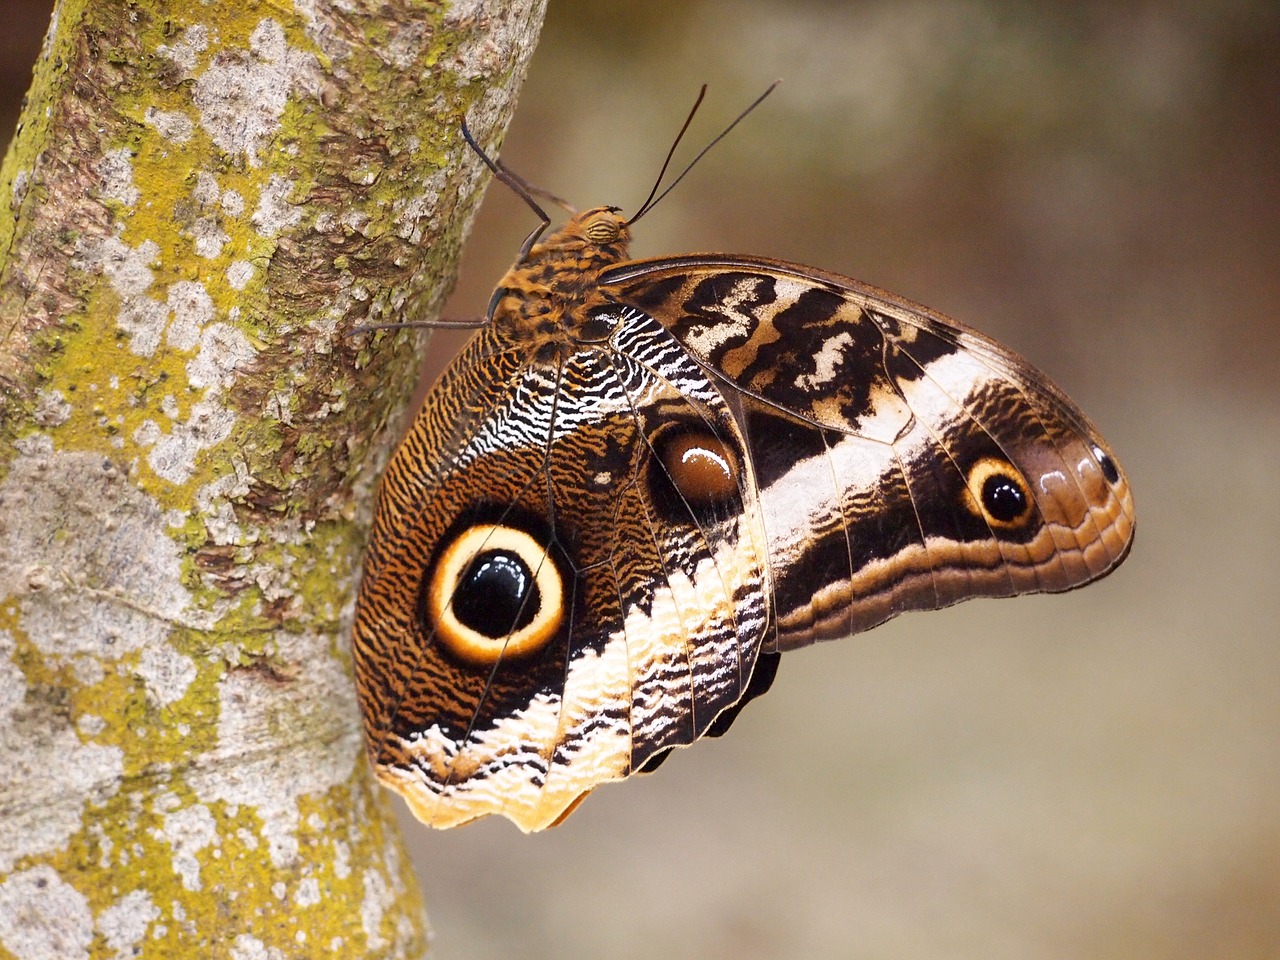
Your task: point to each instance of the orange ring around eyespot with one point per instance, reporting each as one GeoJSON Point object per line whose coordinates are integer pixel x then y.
{"type": "Point", "coordinates": [979, 474]}
{"type": "Point", "coordinates": [470, 645]}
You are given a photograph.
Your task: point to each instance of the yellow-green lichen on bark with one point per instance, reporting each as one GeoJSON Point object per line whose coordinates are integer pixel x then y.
{"type": "Point", "coordinates": [201, 199]}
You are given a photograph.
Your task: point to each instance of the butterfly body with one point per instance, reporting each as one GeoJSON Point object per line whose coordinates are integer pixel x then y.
{"type": "Point", "coordinates": [643, 480]}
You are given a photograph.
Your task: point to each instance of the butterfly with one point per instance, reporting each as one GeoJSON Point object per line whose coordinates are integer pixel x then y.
{"type": "Point", "coordinates": [643, 481]}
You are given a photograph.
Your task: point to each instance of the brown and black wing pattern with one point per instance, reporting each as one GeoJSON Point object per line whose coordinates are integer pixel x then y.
{"type": "Point", "coordinates": [649, 606]}
{"type": "Point", "coordinates": [903, 460]}
{"type": "Point", "coordinates": [644, 480]}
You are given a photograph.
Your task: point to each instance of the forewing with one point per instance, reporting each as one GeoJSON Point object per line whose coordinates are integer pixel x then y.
{"type": "Point", "coordinates": [890, 444]}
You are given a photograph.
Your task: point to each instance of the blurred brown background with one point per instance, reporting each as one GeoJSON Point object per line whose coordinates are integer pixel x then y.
{"type": "Point", "coordinates": [1089, 775]}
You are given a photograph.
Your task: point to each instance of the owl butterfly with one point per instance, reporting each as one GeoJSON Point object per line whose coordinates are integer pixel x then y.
{"type": "Point", "coordinates": [644, 480]}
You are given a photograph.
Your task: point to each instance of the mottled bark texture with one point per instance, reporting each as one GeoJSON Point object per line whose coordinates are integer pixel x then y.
{"type": "Point", "coordinates": [201, 199]}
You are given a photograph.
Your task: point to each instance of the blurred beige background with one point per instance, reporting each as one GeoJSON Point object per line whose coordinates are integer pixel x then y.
{"type": "Point", "coordinates": [1083, 776]}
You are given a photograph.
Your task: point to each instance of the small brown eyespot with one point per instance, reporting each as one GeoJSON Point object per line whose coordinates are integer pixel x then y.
{"type": "Point", "coordinates": [700, 468]}
{"type": "Point", "coordinates": [495, 593]}
{"type": "Point", "coordinates": [998, 493]}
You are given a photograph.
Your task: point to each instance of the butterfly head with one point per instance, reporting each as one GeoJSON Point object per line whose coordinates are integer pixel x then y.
{"type": "Point", "coordinates": [599, 235]}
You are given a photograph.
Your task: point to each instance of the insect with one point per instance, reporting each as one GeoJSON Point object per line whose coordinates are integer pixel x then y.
{"type": "Point", "coordinates": [642, 481]}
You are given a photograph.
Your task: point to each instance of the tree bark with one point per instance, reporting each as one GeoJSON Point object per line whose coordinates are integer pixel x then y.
{"type": "Point", "coordinates": [201, 199]}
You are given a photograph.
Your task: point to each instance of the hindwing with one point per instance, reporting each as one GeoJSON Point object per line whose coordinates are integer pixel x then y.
{"type": "Point", "coordinates": [660, 606]}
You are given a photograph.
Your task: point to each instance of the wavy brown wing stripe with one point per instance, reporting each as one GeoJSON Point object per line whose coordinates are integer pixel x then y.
{"type": "Point", "coordinates": [662, 607]}
{"type": "Point", "coordinates": [875, 426]}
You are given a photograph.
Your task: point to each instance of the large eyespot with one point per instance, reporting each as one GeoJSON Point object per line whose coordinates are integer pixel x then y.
{"type": "Point", "coordinates": [1107, 465]}
{"type": "Point", "coordinates": [494, 593]}
{"type": "Point", "coordinates": [693, 469]}
{"type": "Point", "coordinates": [998, 493]}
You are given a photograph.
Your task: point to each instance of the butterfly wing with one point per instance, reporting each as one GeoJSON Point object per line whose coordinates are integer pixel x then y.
{"type": "Point", "coordinates": [590, 549]}
{"type": "Point", "coordinates": [552, 598]}
{"type": "Point", "coordinates": [903, 460]}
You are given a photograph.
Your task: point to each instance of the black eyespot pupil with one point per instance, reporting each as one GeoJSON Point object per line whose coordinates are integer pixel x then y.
{"type": "Point", "coordinates": [496, 595]}
{"type": "Point", "coordinates": [1107, 464]}
{"type": "Point", "coordinates": [1003, 498]}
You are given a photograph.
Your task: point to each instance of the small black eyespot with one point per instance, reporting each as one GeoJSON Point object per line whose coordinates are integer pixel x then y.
{"type": "Point", "coordinates": [496, 595]}
{"type": "Point", "coordinates": [1003, 498]}
{"type": "Point", "coordinates": [1109, 469]}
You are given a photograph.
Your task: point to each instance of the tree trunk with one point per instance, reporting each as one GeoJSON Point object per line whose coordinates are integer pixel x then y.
{"type": "Point", "coordinates": [200, 200]}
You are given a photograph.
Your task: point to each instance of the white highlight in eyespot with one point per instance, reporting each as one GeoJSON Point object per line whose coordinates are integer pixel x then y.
{"type": "Point", "coordinates": [1049, 479]}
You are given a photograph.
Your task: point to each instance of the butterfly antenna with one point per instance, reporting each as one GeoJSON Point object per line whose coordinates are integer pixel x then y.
{"type": "Point", "coordinates": [653, 201]}
{"type": "Point", "coordinates": [517, 185]}
{"type": "Point", "coordinates": [537, 191]}
{"type": "Point", "coordinates": [670, 153]}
